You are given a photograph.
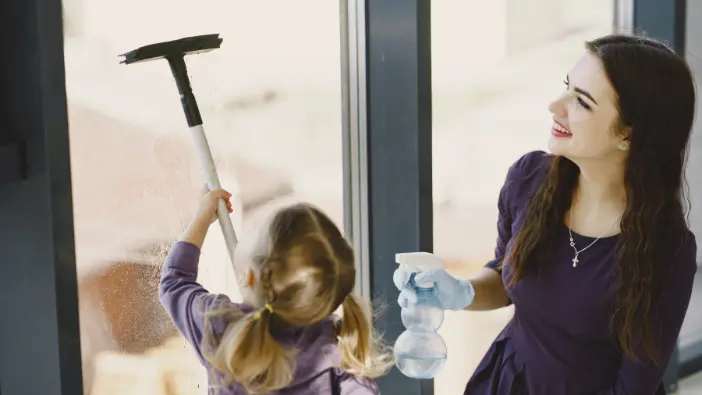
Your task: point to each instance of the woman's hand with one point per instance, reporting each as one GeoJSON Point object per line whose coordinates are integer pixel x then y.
{"type": "Point", "coordinates": [449, 293]}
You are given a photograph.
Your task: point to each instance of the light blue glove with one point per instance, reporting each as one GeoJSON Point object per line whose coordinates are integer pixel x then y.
{"type": "Point", "coordinates": [449, 293]}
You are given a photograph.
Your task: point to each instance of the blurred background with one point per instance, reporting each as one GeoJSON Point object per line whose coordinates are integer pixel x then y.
{"type": "Point", "coordinates": [271, 102]}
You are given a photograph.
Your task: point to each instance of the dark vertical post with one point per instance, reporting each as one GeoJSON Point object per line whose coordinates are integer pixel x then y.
{"type": "Point", "coordinates": [662, 20]}
{"type": "Point", "coordinates": [399, 156]}
{"type": "Point", "coordinates": [39, 335]}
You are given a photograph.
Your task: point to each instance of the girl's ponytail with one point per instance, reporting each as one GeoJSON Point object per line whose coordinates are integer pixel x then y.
{"type": "Point", "coordinates": [362, 353]}
{"type": "Point", "coordinates": [249, 355]}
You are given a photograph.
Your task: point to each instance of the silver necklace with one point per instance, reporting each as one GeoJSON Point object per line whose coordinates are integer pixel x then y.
{"type": "Point", "coordinates": [572, 243]}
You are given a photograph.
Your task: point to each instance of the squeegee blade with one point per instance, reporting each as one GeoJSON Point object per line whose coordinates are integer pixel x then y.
{"type": "Point", "coordinates": [181, 47]}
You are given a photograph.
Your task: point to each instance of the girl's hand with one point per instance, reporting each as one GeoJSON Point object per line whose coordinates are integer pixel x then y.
{"type": "Point", "coordinates": [207, 213]}
{"type": "Point", "coordinates": [197, 230]}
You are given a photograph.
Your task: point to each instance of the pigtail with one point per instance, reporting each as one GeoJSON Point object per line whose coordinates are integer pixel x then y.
{"type": "Point", "coordinates": [362, 352]}
{"type": "Point", "coordinates": [249, 355]}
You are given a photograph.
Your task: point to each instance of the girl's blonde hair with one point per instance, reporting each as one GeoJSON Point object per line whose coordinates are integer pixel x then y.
{"type": "Point", "coordinates": [305, 272]}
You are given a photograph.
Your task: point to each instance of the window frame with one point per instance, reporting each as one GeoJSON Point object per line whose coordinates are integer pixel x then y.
{"type": "Point", "coordinates": [387, 124]}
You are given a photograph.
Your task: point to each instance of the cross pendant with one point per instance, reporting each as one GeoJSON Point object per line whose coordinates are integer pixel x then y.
{"type": "Point", "coordinates": [575, 260]}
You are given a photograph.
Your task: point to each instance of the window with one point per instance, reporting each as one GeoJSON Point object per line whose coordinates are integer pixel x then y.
{"type": "Point", "coordinates": [270, 99]}
{"type": "Point", "coordinates": [691, 333]}
{"type": "Point", "coordinates": [496, 65]}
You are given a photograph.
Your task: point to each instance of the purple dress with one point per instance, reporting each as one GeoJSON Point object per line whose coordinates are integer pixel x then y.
{"type": "Point", "coordinates": [315, 372]}
{"type": "Point", "coordinates": [559, 341]}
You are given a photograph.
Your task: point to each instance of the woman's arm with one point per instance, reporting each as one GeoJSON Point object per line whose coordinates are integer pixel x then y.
{"type": "Point", "coordinates": [485, 290]}
{"type": "Point", "coordinates": [490, 293]}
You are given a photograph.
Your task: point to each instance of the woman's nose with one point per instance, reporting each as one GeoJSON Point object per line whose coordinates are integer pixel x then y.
{"type": "Point", "coordinates": [558, 107]}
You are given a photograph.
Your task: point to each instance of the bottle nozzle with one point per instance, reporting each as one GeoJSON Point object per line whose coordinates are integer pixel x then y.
{"type": "Point", "coordinates": [418, 262]}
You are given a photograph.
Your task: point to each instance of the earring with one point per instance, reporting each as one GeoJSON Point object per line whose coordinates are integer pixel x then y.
{"type": "Point", "coordinates": [623, 146]}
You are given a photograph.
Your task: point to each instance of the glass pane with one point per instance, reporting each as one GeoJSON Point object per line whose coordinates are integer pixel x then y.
{"type": "Point", "coordinates": [271, 103]}
{"type": "Point", "coordinates": [692, 328]}
{"type": "Point", "coordinates": [496, 65]}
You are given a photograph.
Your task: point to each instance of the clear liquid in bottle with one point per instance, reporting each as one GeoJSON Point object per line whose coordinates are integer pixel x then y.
{"type": "Point", "coordinates": [420, 351]}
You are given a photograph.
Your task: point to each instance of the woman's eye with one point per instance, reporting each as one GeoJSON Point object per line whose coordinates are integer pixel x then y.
{"type": "Point", "coordinates": [582, 103]}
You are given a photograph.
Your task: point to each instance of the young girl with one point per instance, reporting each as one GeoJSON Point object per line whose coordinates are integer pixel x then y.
{"type": "Point", "coordinates": [283, 339]}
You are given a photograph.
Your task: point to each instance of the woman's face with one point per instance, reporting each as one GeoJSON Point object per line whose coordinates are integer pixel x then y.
{"type": "Point", "coordinates": [585, 116]}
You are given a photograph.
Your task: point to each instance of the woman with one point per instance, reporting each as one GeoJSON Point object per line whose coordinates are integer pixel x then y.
{"type": "Point", "coordinates": [593, 248]}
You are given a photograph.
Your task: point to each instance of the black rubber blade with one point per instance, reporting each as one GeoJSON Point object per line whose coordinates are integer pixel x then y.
{"type": "Point", "coordinates": [181, 47]}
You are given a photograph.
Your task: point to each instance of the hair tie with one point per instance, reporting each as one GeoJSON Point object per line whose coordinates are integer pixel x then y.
{"type": "Point", "coordinates": [268, 307]}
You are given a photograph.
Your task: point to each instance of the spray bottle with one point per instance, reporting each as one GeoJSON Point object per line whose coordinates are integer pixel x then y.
{"type": "Point", "coordinates": [420, 352]}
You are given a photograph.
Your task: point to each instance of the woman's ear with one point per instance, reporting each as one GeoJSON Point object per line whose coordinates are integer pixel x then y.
{"type": "Point", "coordinates": [625, 140]}
{"type": "Point", "coordinates": [626, 132]}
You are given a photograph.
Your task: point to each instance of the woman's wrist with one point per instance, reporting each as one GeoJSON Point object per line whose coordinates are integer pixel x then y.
{"type": "Point", "coordinates": [490, 293]}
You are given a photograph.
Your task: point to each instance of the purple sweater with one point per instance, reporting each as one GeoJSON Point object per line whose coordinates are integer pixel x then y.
{"type": "Point", "coordinates": [315, 372]}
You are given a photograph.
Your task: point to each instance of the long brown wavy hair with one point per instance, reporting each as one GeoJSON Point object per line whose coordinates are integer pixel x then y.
{"type": "Point", "coordinates": [656, 99]}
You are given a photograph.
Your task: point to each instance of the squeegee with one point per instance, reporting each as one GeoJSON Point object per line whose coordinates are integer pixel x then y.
{"type": "Point", "coordinates": [174, 52]}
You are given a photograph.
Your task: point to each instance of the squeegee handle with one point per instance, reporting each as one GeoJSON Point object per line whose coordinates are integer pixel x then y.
{"type": "Point", "coordinates": [208, 166]}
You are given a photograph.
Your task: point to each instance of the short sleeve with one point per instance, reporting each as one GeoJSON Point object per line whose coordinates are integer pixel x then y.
{"type": "Point", "coordinates": [521, 171]}
{"type": "Point", "coordinates": [504, 232]}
